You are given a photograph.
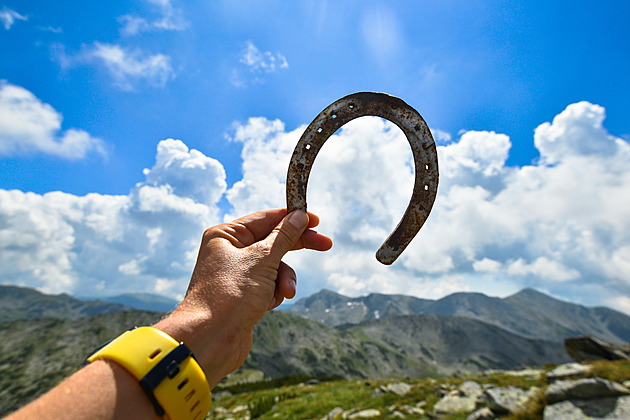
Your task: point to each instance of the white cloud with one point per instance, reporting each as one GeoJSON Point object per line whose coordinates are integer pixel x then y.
{"type": "Point", "coordinates": [257, 63]}
{"type": "Point", "coordinates": [487, 265]}
{"type": "Point", "coordinates": [128, 67]}
{"type": "Point", "coordinates": [146, 240]}
{"type": "Point", "coordinates": [27, 125]}
{"type": "Point", "coordinates": [8, 17]}
{"type": "Point", "coordinates": [170, 19]}
{"type": "Point", "coordinates": [263, 61]}
{"type": "Point", "coordinates": [560, 224]}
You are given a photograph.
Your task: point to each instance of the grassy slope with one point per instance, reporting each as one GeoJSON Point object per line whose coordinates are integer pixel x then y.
{"type": "Point", "coordinates": [267, 400]}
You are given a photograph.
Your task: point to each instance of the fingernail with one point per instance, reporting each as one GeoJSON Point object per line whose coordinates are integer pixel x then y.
{"type": "Point", "coordinates": [293, 284]}
{"type": "Point", "coordinates": [298, 219]}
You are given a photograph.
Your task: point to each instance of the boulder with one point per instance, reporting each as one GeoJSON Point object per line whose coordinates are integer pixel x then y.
{"type": "Point", "coordinates": [568, 370]}
{"type": "Point", "coordinates": [508, 399]}
{"type": "Point", "coordinates": [588, 348]}
{"type": "Point", "coordinates": [587, 388]}
{"type": "Point", "coordinates": [601, 409]}
{"type": "Point", "coordinates": [470, 389]}
{"type": "Point", "coordinates": [455, 404]}
{"type": "Point", "coordinates": [399, 388]}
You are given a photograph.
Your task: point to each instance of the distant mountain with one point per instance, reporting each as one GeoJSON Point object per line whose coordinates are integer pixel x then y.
{"type": "Point", "coordinates": [528, 313]}
{"type": "Point", "coordinates": [53, 336]}
{"type": "Point", "coordinates": [144, 301]}
{"type": "Point", "coordinates": [412, 345]}
{"type": "Point", "coordinates": [24, 303]}
{"type": "Point", "coordinates": [36, 354]}
{"type": "Point", "coordinates": [334, 309]}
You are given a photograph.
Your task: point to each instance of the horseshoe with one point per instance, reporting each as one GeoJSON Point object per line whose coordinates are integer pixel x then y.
{"type": "Point", "coordinates": [422, 145]}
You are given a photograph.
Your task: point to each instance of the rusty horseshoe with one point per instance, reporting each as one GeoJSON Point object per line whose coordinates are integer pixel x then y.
{"type": "Point", "coordinates": [424, 154]}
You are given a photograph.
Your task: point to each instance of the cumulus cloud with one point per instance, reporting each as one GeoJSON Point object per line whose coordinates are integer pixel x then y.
{"type": "Point", "coordinates": [146, 240]}
{"type": "Point", "coordinates": [27, 125]}
{"type": "Point", "coordinates": [8, 17]}
{"type": "Point", "coordinates": [559, 224]}
{"type": "Point", "coordinates": [169, 19]}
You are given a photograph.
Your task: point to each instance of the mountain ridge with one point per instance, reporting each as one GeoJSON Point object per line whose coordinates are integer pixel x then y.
{"type": "Point", "coordinates": [528, 312]}
{"type": "Point", "coordinates": [26, 303]}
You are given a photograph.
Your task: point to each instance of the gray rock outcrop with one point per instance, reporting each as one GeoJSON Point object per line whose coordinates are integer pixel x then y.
{"type": "Point", "coordinates": [600, 409]}
{"type": "Point", "coordinates": [508, 399]}
{"type": "Point", "coordinates": [583, 389]}
{"type": "Point", "coordinates": [587, 348]}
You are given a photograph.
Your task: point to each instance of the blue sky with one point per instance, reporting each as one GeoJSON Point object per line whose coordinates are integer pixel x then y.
{"type": "Point", "coordinates": [90, 90]}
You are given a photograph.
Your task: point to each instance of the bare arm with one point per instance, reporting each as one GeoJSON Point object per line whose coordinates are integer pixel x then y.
{"type": "Point", "coordinates": [238, 276]}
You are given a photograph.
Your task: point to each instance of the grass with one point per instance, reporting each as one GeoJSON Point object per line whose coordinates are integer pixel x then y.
{"type": "Point", "coordinates": [299, 398]}
{"type": "Point", "coordinates": [617, 371]}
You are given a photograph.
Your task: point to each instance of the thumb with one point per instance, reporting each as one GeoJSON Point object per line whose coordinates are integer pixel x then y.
{"type": "Point", "coordinates": [284, 236]}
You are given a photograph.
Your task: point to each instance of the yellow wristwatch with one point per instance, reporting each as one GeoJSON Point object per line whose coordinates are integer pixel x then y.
{"type": "Point", "coordinates": [167, 371]}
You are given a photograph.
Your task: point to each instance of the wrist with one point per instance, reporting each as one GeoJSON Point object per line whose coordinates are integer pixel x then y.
{"type": "Point", "coordinates": [217, 346]}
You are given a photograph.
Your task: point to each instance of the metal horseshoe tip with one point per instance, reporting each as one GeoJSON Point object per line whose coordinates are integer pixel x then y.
{"type": "Point", "coordinates": [424, 154]}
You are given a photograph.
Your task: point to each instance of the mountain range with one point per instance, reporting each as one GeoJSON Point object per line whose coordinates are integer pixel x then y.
{"type": "Point", "coordinates": [44, 338]}
{"type": "Point", "coordinates": [25, 303]}
{"type": "Point", "coordinates": [527, 313]}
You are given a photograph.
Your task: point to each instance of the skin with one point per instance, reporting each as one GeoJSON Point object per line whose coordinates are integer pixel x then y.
{"type": "Point", "coordinates": [238, 277]}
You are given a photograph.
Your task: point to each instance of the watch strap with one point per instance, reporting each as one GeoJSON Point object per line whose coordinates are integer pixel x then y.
{"type": "Point", "coordinates": [167, 372]}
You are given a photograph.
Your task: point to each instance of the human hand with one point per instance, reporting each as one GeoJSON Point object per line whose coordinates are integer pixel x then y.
{"type": "Point", "coordinates": [239, 275]}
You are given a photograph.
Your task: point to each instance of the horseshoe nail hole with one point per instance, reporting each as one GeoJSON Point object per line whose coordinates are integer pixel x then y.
{"type": "Point", "coordinates": [319, 130]}
{"type": "Point", "coordinates": [426, 188]}
{"type": "Point", "coordinates": [334, 116]}
{"type": "Point", "coordinates": [426, 167]}
{"type": "Point", "coordinates": [351, 106]}
{"type": "Point", "coordinates": [308, 147]}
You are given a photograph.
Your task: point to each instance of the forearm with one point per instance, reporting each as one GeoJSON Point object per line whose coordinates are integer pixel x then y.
{"type": "Point", "coordinates": [105, 390]}
{"type": "Point", "coordinates": [101, 390]}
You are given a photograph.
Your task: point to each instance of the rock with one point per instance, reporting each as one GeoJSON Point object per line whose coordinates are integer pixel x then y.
{"type": "Point", "coordinates": [471, 389]}
{"type": "Point", "coordinates": [398, 388]}
{"type": "Point", "coordinates": [397, 415]}
{"type": "Point", "coordinates": [588, 388]}
{"type": "Point", "coordinates": [415, 411]}
{"type": "Point", "coordinates": [482, 414]}
{"type": "Point", "coordinates": [508, 399]}
{"type": "Point", "coordinates": [365, 414]}
{"type": "Point", "coordinates": [530, 373]}
{"type": "Point", "coordinates": [568, 370]}
{"type": "Point", "coordinates": [334, 414]}
{"type": "Point", "coordinates": [588, 348]}
{"type": "Point", "coordinates": [526, 373]}
{"type": "Point", "coordinates": [601, 409]}
{"type": "Point", "coordinates": [462, 400]}
{"type": "Point", "coordinates": [455, 404]}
